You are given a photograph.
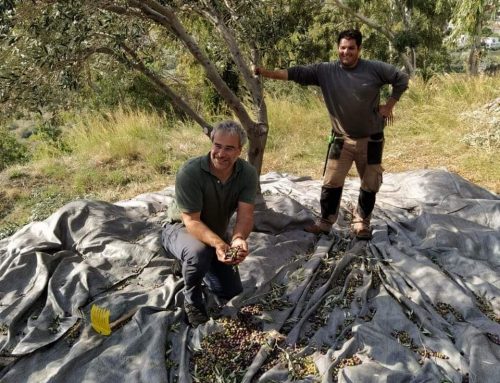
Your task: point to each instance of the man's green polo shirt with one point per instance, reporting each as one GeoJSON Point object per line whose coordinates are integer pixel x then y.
{"type": "Point", "coordinates": [198, 190]}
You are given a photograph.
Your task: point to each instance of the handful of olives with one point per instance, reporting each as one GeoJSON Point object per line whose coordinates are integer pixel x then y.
{"type": "Point", "coordinates": [232, 253]}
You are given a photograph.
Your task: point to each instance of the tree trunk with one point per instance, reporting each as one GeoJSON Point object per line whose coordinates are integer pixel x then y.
{"type": "Point", "coordinates": [473, 61]}
{"type": "Point", "coordinates": [410, 69]}
{"type": "Point", "coordinates": [256, 145]}
{"type": "Point", "coordinates": [257, 129]}
{"type": "Point", "coordinates": [166, 16]}
{"type": "Point", "coordinates": [413, 58]}
{"type": "Point", "coordinates": [475, 50]}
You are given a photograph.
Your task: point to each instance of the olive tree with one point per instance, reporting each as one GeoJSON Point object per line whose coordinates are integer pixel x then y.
{"type": "Point", "coordinates": [51, 41]}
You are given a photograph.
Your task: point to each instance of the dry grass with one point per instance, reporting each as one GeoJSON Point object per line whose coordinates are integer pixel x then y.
{"type": "Point", "coordinates": [113, 156]}
{"type": "Point", "coordinates": [124, 153]}
{"type": "Point", "coordinates": [428, 132]}
{"type": "Point", "coordinates": [430, 129]}
{"type": "Point", "coordinates": [298, 135]}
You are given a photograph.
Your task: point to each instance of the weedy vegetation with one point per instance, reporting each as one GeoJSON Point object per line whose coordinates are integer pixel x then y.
{"type": "Point", "coordinates": [119, 153]}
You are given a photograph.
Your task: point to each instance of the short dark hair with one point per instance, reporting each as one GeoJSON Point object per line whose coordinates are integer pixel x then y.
{"type": "Point", "coordinates": [232, 128]}
{"type": "Point", "coordinates": [351, 34]}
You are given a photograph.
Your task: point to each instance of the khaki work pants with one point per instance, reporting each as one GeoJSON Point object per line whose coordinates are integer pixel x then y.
{"type": "Point", "coordinates": [366, 153]}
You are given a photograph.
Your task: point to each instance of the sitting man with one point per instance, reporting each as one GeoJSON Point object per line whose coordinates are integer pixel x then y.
{"type": "Point", "coordinates": [208, 190]}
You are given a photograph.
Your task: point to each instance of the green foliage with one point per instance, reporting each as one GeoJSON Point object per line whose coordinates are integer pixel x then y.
{"type": "Point", "coordinates": [433, 63]}
{"type": "Point", "coordinates": [469, 15]}
{"type": "Point", "coordinates": [49, 132]}
{"type": "Point", "coordinates": [418, 29]}
{"type": "Point", "coordinates": [298, 33]}
{"type": "Point", "coordinates": [30, 76]}
{"type": "Point", "coordinates": [274, 33]}
{"type": "Point", "coordinates": [58, 54]}
{"type": "Point", "coordinates": [51, 54]}
{"type": "Point", "coordinates": [56, 44]}
{"type": "Point", "coordinates": [12, 151]}
{"type": "Point", "coordinates": [275, 28]}
{"type": "Point", "coordinates": [406, 39]}
{"type": "Point", "coordinates": [107, 91]}
{"type": "Point", "coordinates": [213, 102]}
{"type": "Point", "coordinates": [143, 94]}
{"type": "Point", "coordinates": [7, 229]}
{"type": "Point", "coordinates": [6, 205]}
{"type": "Point", "coordinates": [121, 88]}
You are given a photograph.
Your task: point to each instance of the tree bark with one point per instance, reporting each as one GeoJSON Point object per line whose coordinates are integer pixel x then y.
{"type": "Point", "coordinates": [257, 131]}
{"type": "Point", "coordinates": [475, 49]}
{"type": "Point", "coordinates": [252, 83]}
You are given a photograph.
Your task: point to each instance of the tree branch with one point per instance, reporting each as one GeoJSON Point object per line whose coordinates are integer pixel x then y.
{"type": "Point", "coordinates": [213, 17]}
{"type": "Point", "coordinates": [370, 22]}
{"type": "Point", "coordinates": [118, 9]}
{"type": "Point", "coordinates": [165, 16]}
{"type": "Point", "coordinates": [176, 99]}
{"type": "Point", "coordinates": [136, 63]}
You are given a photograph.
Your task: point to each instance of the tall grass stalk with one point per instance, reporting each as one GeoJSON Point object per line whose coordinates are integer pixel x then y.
{"type": "Point", "coordinates": [116, 136]}
{"type": "Point", "coordinates": [124, 138]}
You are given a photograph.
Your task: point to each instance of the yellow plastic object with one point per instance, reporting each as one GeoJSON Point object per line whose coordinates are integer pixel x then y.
{"type": "Point", "coordinates": [99, 318]}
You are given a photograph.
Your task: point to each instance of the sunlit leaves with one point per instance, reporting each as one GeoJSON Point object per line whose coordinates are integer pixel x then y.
{"type": "Point", "coordinates": [50, 43]}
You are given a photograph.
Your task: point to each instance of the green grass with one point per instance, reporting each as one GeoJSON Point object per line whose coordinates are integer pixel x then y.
{"type": "Point", "coordinates": [122, 153]}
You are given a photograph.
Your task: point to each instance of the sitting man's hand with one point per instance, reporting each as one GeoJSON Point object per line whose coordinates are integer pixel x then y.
{"type": "Point", "coordinates": [238, 250]}
{"type": "Point", "coordinates": [221, 250]}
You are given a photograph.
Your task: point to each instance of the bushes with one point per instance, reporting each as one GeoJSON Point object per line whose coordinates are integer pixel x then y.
{"type": "Point", "coordinates": [11, 150]}
{"type": "Point", "coordinates": [48, 140]}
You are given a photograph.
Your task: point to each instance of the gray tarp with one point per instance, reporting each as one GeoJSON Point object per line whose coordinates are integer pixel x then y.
{"type": "Point", "coordinates": [420, 304]}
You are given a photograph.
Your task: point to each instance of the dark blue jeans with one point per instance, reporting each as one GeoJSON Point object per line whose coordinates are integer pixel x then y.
{"type": "Point", "coordinates": [200, 263]}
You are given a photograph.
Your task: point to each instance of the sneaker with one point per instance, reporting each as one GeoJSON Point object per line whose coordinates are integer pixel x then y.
{"type": "Point", "coordinates": [321, 226]}
{"type": "Point", "coordinates": [195, 315]}
{"type": "Point", "coordinates": [361, 228]}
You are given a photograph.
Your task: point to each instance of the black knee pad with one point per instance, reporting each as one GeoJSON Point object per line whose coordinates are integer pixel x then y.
{"type": "Point", "coordinates": [366, 203]}
{"type": "Point", "coordinates": [330, 201]}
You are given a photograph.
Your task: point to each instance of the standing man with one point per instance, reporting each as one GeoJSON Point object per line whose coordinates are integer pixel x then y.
{"type": "Point", "coordinates": [351, 90]}
{"type": "Point", "coordinates": [208, 190]}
